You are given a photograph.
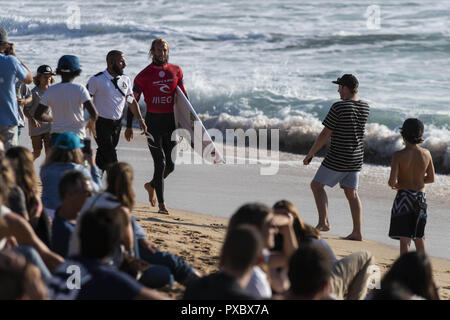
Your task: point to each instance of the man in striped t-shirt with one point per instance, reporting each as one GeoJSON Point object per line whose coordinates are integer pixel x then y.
{"type": "Point", "coordinates": [344, 123]}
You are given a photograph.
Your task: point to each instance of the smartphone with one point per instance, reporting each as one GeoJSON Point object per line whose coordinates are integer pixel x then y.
{"type": "Point", "coordinates": [87, 146]}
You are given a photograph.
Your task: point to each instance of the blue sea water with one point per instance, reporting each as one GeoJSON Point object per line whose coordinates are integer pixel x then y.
{"type": "Point", "coordinates": [268, 64]}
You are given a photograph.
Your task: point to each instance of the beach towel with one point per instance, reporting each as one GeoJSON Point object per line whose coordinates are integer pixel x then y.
{"type": "Point", "coordinates": [408, 215]}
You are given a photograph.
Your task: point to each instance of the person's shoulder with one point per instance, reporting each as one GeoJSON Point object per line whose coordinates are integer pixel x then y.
{"type": "Point", "coordinates": [77, 86]}
{"type": "Point", "coordinates": [144, 71]}
{"type": "Point", "coordinates": [399, 154]}
{"type": "Point", "coordinates": [362, 104]}
{"type": "Point", "coordinates": [53, 88]}
{"type": "Point", "coordinates": [36, 89]}
{"type": "Point", "coordinates": [338, 104]}
{"type": "Point", "coordinates": [12, 59]}
{"type": "Point", "coordinates": [174, 67]}
{"type": "Point", "coordinates": [95, 77]}
{"type": "Point", "coordinates": [425, 151]}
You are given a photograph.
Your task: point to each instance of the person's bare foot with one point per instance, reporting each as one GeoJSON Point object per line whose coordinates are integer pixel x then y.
{"type": "Point", "coordinates": [354, 236]}
{"type": "Point", "coordinates": [323, 227]}
{"type": "Point", "coordinates": [163, 209]}
{"type": "Point", "coordinates": [151, 194]}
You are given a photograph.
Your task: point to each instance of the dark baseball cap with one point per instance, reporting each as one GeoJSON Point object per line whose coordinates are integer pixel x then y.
{"type": "Point", "coordinates": [347, 80]}
{"type": "Point", "coordinates": [68, 63]}
{"type": "Point", "coordinates": [45, 69]}
{"type": "Point", "coordinates": [3, 35]}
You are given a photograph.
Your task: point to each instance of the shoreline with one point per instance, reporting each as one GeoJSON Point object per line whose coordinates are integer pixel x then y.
{"type": "Point", "coordinates": [198, 238]}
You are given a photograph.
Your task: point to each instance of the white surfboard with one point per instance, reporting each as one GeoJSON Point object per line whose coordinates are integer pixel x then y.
{"type": "Point", "coordinates": [186, 118]}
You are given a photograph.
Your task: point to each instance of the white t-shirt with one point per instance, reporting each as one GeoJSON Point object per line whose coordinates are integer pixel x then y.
{"type": "Point", "coordinates": [108, 100]}
{"type": "Point", "coordinates": [259, 285]}
{"type": "Point", "coordinates": [66, 102]}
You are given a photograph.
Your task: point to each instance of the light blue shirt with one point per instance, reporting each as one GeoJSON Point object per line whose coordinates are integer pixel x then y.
{"type": "Point", "coordinates": [51, 175]}
{"type": "Point", "coordinates": [10, 69]}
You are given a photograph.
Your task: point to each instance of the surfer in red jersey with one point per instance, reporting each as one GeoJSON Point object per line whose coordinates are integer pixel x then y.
{"type": "Point", "coordinates": [158, 83]}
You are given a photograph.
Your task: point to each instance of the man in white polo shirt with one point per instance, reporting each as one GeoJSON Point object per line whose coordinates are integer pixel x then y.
{"type": "Point", "coordinates": [111, 90]}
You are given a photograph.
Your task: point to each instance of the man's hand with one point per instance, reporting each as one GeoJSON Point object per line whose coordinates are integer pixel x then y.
{"type": "Point", "coordinates": [35, 123]}
{"type": "Point", "coordinates": [129, 134]}
{"type": "Point", "coordinates": [21, 101]}
{"type": "Point", "coordinates": [147, 244]}
{"type": "Point", "coordinates": [143, 126]}
{"type": "Point", "coordinates": [307, 159]}
{"type": "Point", "coordinates": [91, 128]}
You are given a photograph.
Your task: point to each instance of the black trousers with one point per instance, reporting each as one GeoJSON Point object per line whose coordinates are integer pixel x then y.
{"type": "Point", "coordinates": [161, 126]}
{"type": "Point", "coordinates": [108, 134]}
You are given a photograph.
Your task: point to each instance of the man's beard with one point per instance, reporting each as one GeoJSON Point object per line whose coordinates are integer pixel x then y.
{"type": "Point", "coordinates": [118, 70]}
{"type": "Point", "coordinates": [160, 62]}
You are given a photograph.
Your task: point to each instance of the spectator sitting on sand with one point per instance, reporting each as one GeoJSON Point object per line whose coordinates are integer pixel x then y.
{"type": "Point", "coordinates": [349, 275]}
{"type": "Point", "coordinates": [310, 274]}
{"type": "Point", "coordinates": [100, 234]}
{"type": "Point", "coordinates": [19, 279]}
{"type": "Point", "coordinates": [15, 199]}
{"type": "Point", "coordinates": [413, 272]}
{"type": "Point", "coordinates": [65, 155]}
{"type": "Point", "coordinates": [21, 160]}
{"type": "Point", "coordinates": [241, 251]}
{"type": "Point", "coordinates": [261, 217]}
{"type": "Point", "coordinates": [18, 232]}
{"type": "Point", "coordinates": [164, 267]}
{"type": "Point", "coordinates": [74, 190]}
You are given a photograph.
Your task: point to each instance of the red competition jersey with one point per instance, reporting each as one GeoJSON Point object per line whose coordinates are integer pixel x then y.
{"type": "Point", "coordinates": [158, 84]}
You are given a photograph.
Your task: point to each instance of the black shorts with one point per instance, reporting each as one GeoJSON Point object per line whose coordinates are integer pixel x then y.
{"type": "Point", "coordinates": [408, 215]}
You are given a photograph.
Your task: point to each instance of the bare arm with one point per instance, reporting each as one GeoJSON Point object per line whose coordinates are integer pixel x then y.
{"type": "Point", "coordinates": [89, 106]}
{"type": "Point", "coordinates": [40, 114]}
{"type": "Point", "coordinates": [285, 225]}
{"type": "Point", "coordinates": [393, 178]}
{"type": "Point", "coordinates": [29, 78]}
{"type": "Point", "coordinates": [321, 140]}
{"type": "Point", "coordinates": [22, 231]}
{"type": "Point", "coordinates": [127, 238]}
{"type": "Point", "coordinates": [429, 173]}
{"type": "Point", "coordinates": [134, 108]}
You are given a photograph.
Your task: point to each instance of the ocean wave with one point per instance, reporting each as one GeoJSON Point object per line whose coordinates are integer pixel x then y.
{"type": "Point", "coordinates": [18, 26]}
{"type": "Point", "coordinates": [298, 133]}
{"type": "Point", "coordinates": [426, 40]}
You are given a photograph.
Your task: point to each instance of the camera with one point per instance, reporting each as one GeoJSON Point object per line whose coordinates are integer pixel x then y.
{"type": "Point", "coordinates": [87, 146]}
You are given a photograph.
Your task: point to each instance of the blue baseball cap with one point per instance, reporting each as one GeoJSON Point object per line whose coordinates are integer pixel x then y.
{"type": "Point", "coordinates": [68, 63]}
{"type": "Point", "coordinates": [68, 141]}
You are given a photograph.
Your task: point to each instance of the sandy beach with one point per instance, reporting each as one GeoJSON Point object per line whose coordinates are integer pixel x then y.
{"type": "Point", "coordinates": [198, 239]}
{"type": "Point", "coordinates": [201, 198]}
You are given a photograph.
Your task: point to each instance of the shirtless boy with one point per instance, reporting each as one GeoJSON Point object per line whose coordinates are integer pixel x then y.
{"type": "Point", "coordinates": [411, 168]}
